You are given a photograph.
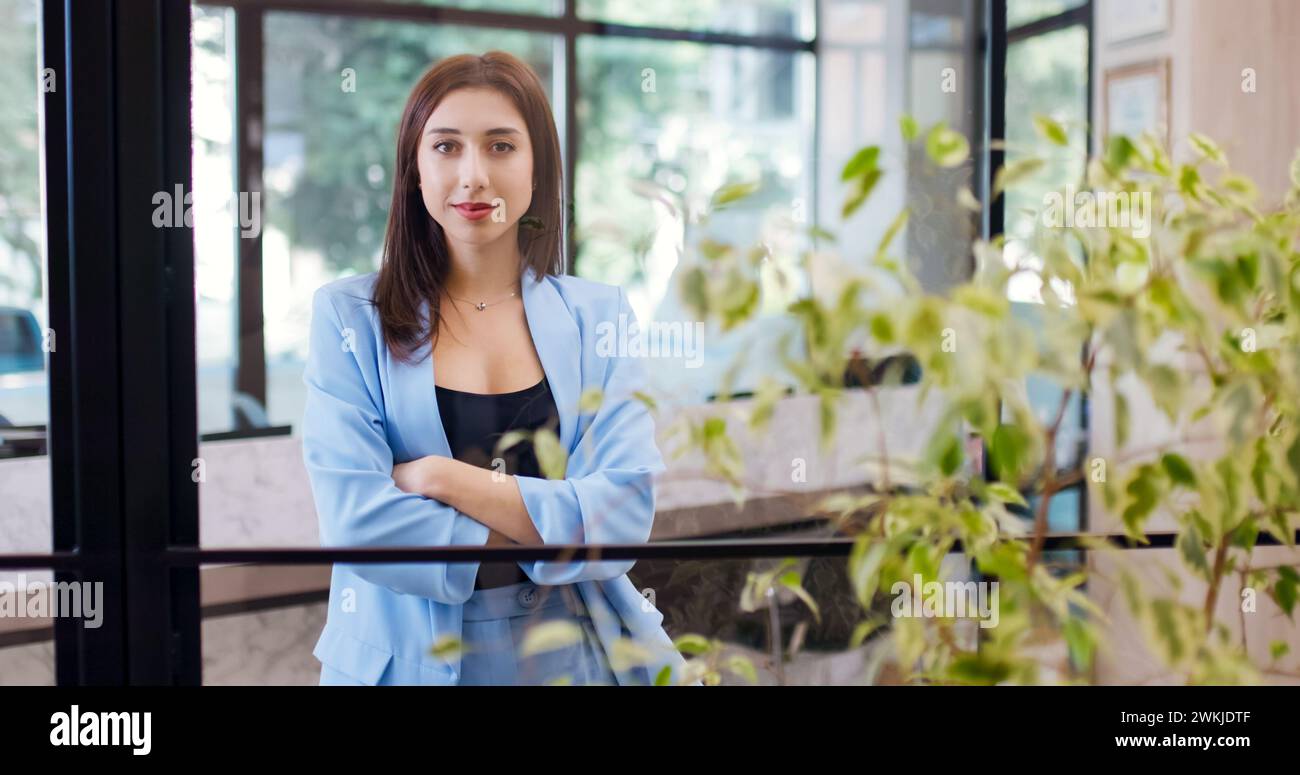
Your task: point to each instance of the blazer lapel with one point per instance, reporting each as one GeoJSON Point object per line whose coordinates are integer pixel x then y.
{"type": "Point", "coordinates": [559, 346]}
{"type": "Point", "coordinates": [412, 410]}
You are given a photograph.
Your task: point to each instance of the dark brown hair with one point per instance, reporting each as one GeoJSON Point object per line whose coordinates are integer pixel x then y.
{"type": "Point", "coordinates": [415, 258]}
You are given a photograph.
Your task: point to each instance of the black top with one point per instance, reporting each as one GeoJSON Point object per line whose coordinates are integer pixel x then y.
{"type": "Point", "coordinates": [474, 422]}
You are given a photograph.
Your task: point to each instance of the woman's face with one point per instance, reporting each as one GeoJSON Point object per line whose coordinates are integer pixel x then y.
{"type": "Point", "coordinates": [475, 150]}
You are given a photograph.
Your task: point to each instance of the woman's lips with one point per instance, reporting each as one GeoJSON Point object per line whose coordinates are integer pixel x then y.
{"type": "Point", "coordinates": [474, 211]}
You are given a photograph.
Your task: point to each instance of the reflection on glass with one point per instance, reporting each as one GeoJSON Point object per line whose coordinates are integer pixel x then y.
{"type": "Point", "coordinates": [663, 126]}
{"type": "Point", "coordinates": [777, 18]}
{"type": "Point", "coordinates": [23, 392]}
{"type": "Point", "coordinates": [215, 237]}
{"type": "Point", "coordinates": [1025, 11]}
{"type": "Point", "coordinates": [539, 7]}
{"type": "Point", "coordinates": [26, 650]}
{"type": "Point", "coordinates": [1046, 74]}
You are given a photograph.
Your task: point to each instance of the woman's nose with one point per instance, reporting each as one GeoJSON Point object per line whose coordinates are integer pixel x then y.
{"type": "Point", "coordinates": [473, 173]}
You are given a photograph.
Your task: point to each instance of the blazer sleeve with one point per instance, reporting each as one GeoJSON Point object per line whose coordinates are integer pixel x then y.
{"type": "Point", "coordinates": [608, 495]}
{"type": "Point", "coordinates": [350, 466]}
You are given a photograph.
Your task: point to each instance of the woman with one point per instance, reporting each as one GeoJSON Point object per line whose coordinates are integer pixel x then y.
{"type": "Point", "coordinates": [402, 448]}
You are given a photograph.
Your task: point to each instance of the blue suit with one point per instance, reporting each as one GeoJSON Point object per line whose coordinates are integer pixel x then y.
{"type": "Point", "coordinates": [366, 412]}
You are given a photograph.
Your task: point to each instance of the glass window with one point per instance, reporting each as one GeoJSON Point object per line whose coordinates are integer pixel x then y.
{"type": "Point", "coordinates": [663, 125]}
{"type": "Point", "coordinates": [26, 649]}
{"type": "Point", "coordinates": [215, 234]}
{"type": "Point", "coordinates": [778, 18]}
{"type": "Point", "coordinates": [1025, 11]}
{"type": "Point", "coordinates": [539, 7]}
{"type": "Point", "coordinates": [1046, 74]}
{"type": "Point", "coordinates": [24, 399]}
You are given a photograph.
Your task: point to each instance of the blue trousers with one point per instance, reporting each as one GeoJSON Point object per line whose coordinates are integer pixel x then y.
{"type": "Point", "coordinates": [497, 620]}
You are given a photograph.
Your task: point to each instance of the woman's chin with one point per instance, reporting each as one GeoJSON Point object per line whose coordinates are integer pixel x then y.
{"type": "Point", "coordinates": [478, 235]}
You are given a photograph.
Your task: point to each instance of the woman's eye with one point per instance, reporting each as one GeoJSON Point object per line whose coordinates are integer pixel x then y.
{"type": "Point", "coordinates": [438, 146]}
{"type": "Point", "coordinates": [505, 147]}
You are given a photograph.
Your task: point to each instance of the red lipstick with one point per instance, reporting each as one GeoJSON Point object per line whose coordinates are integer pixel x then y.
{"type": "Point", "coordinates": [474, 211]}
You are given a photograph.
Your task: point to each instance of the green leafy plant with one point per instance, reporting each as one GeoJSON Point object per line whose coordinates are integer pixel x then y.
{"type": "Point", "coordinates": [1197, 310]}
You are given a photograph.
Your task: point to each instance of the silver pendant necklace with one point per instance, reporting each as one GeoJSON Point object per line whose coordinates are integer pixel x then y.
{"type": "Point", "coordinates": [482, 305]}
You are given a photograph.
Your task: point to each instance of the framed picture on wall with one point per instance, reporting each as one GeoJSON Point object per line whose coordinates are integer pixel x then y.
{"type": "Point", "coordinates": [1125, 20]}
{"type": "Point", "coordinates": [1137, 99]}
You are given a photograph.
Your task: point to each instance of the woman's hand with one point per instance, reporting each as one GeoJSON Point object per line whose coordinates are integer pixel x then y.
{"type": "Point", "coordinates": [417, 476]}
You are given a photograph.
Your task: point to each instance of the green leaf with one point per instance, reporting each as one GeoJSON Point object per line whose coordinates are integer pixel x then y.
{"type": "Point", "coordinates": [1179, 470]}
{"type": "Point", "coordinates": [882, 328]}
{"type": "Point", "coordinates": [944, 452]}
{"type": "Point", "coordinates": [1051, 130]}
{"type": "Point", "coordinates": [1143, 490]}
{"type": "Point", "coordinates": [895, 226]}
{"type": "Point", "coordinates": [714, 250]}
{"type": "Point", "coordinates": [864, 568]}
{"type": "Point", "coordinates": [1009, 452]}
{"type": "Point", "coordinates": [1284, 589]}
{"type": "Point", "coordinates": [627, 653]}
{"type": "Point", "coordinates": [817, 232]}
{"type": "Point", "coordinates": [866, 184]}
{"type": "Point", "coordinates": [862, 630]}
{"type": "Point", "coordinates": [1014, 172]}
{"type": "Point", "coordinates": [446, 647]}
{"type": "Point", "coordinates": [908, 127]}
{"type": "Point", "coordinates": [1189, 181]}
{"type": "Point", "coordinates": [510, 439]}
{"type": "Point", "coordinates": [1166, 389]}
{"type": "Point", "coordinates": [1006, 493]}
{"type": "Point", "coordinates": [982, 300]}
{"type": "Point", "coordinates": [1192, 548]}
{"type": "Point", "coordinates": [742, 667]}
{"type": "Point", "coordinates": [692, 644]}
{"type": "Point", "coordinates": [1121, 419]}
{"type": "Point", "coordinates": [646, 399]}
{"type": "Point", "coordinates": [549, 636]}
{"type": "Point", "coordinates": [1207, 148]}
{"type": "Point", "coordinates": [1169, 634]}
{"type": "Point", "coordinates": [733, 192]}
{"type": "Point", "coordinates": [695, 291]}
{"type": "Point", "coordinates": [862, 161]}
{"type": "Point", "coordinates": [1080, 642]}
{"type": "Point", "coordinates": [1119, 152]}
{"type": "Point", "coordinates": [590, 400]}
{"type": "Point", "coordinates": [791, 582]}
{"type": "Point", "coordinates": [946, 147]}
{"type": "Point", "coordinates": [979, 669]}
{"type": "Point", "coordinates": [550, 455]}
{"type": "Point", "coordinates": [1246, 535]}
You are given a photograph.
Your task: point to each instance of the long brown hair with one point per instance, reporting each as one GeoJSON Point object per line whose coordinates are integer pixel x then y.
{"type": "Point", "coordinates": [416, 259]}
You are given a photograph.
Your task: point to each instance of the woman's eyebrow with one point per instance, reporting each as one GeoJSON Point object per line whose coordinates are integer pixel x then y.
{"type": "Point", "coordinates": [501, 130]}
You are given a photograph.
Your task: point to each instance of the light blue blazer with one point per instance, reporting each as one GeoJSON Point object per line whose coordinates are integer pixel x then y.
{"type": "Point", "coordinates": [366, 411]}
